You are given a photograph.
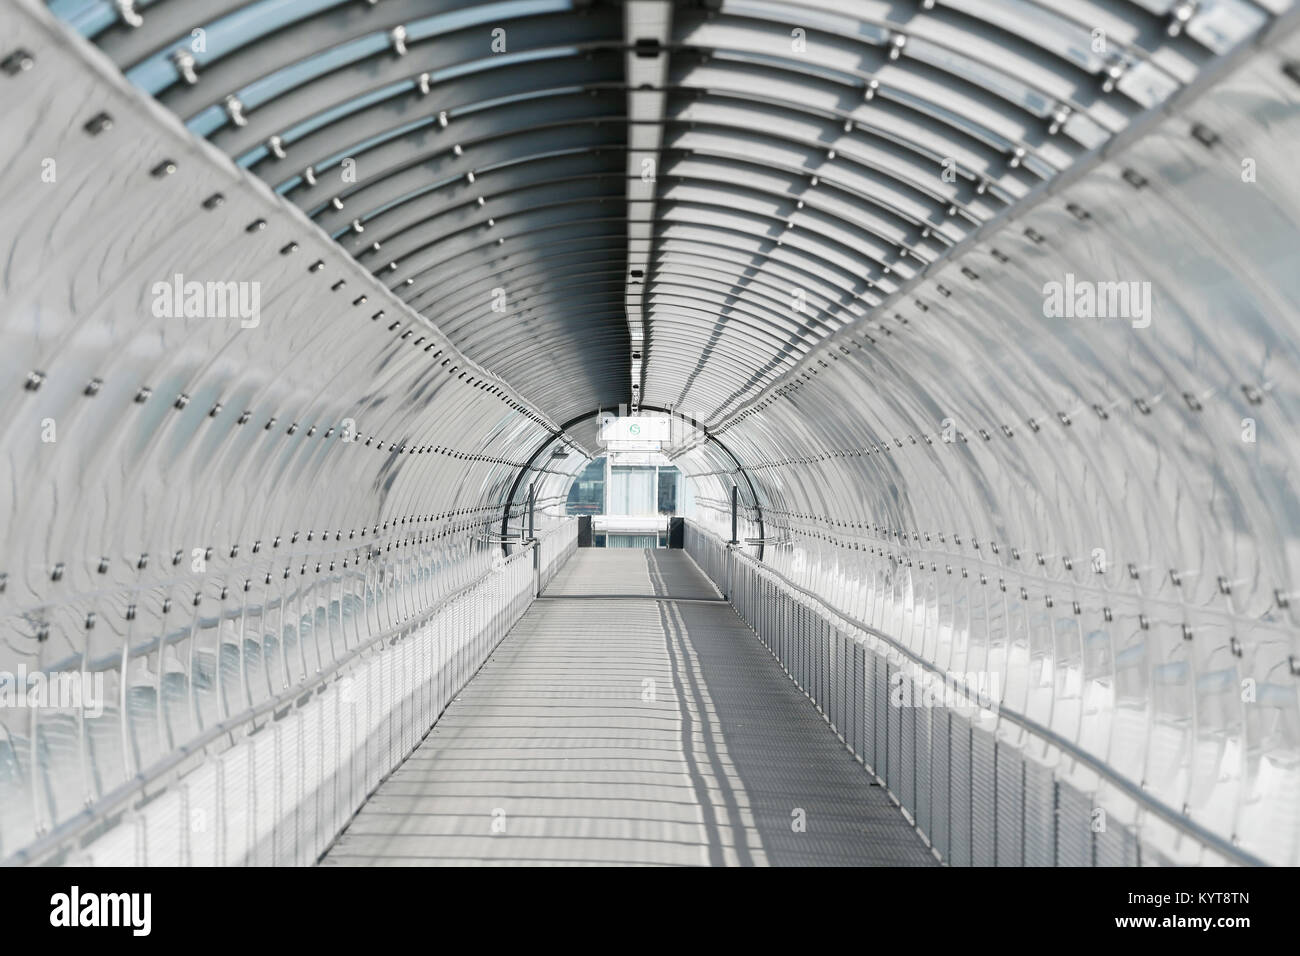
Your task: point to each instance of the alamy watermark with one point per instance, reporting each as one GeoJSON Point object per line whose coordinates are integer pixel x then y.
{"type": "Point", "coordinates": [57, 690]}
{"type": "Point", "coordinates": [961, 692]}
{"type": "Point", "coordinates": [179, 299]}
{"type": "Point", "coordinates": [1084, 299]}
{"type": "Point", "coordinates": [131, 911]}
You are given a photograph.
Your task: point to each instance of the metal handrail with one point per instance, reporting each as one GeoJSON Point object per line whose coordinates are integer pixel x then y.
{"type": "Point", "coordinates": [75, 826]}
{"type": "Point", "coordinates": [1171, 816]}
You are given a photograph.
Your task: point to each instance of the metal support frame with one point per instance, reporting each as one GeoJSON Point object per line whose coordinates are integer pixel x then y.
{"type": "Point", "coordinates": [532, 507]}
{"type": "Point", "coordinates": [573, 422]}
{"type": "Point", "coordinates": [735, 496]}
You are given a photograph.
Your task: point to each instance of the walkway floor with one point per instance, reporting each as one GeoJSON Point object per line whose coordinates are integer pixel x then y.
{"type": "Point", "coordinates": [630, 717]}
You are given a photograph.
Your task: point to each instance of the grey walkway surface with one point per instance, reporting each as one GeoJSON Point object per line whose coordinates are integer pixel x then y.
{"type": "Point", "coordinates": [614, 726]}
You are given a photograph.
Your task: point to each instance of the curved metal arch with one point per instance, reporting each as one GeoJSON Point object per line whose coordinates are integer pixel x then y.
{"type": "Point", "coordinates": [775, 234]}
{"type": "Point", "coordinates": [823, 237]}
{"type": "Point", "coordinates": [521, 215]}
{"type": "Point", "coordinates": [763, 245]}
{"type": "Point", "coordinates": [496, 143]}
{"type": "Point", "coordinates": [546, 228]}
{"type": "Point", "coordinates": [834, 178]}
{"type": "Point", "coordinates": [761, 320]}
{"type": "Point", "coordinates": [521, 80]}
{"type": "Point", "coordinates": [372, 181]}
{"type": "Point", "coordinates": [713, 279]}
{"type": "Point", "coordinates": [486, 278]}
{"type": "Point", "coordinates": [466, 311]}
{"type": "Point", "coordinates": [740, 39]}
{"type": "Point", "coordinates": [577, 420]}
{"type": "Point", "coordinates": [742, 29]}
{"type": "Point", "coordinates": [649, 371]}
{"type": "Point", "coordinates": [536, 343]}
{"type": "Point", "coordinates": [757, 310]}
{"type": "Point", "coordinates": [921, 139]}
{"type": "Point", "coordinates": [672, 248]}
{"type": "Point", "coordinates": [822, 219]}
{"type": "Point", "coordinates": [487, 245]}
{"type": "Point", "coordinates": [508, 205]}
{"type": "Point", "coordinates": [843, 449]}
{"type": "Point", "coordinates": [1072, 52]}
{"type": "Point", "coordinates": [782, 84]}
{"type": "Point", "coordinates": [538, 291]}
{"type": "Point", "coordinates": [691, 157]}
{"type": "Point", "coordinates": [298, 115]}
{"type": "Point", "coordinates": [342, 39]}
{"type": "Point", "coordinates": [530, 264]}
{"type": "Point", "coordinates": [798, 332]}
{"type": "Point", "coordinates": [511, 174]}
{"type": "Point", "coordinates": [518, 305]}
{"type": "Point", "coordinates": [693, 359]}
{"type": "Point", "coordinates": [759, 339]}
{"type": "Point", "coordinates": [448, 181]}
{"type": "Point", "coordinates": [1145, 31]}
{"type": "Point", "coordinates": [108, 23]}
{"type": "Point", "coordinates": [370, 130]}
{"type": "Point", "coordinates": [772, 49]}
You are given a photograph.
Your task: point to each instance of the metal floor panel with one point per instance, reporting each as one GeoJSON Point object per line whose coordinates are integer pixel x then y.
{"type": "Point", "coordinates": [629, 730]}
{"type": "Point", "coordinates": [601, 572]}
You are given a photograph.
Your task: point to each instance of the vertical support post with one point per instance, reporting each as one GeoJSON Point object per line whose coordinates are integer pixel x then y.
{"type": "Point", "coordinates": [735, 498]}
{"type": "Point", "coordinates": [532, 539]}
{"type": "Point", "coordinates": [532, 505]}
{"type": "Point", "coordinates": [609, 479]}
{"type": "Point", "coordinates": [727, 554]}
{"type": "Point", "coordinates": [537, 568]}
{"type": "Point", "coordinates": [654, 502]}
{"type": "Point", "coordinates": [726, 572]}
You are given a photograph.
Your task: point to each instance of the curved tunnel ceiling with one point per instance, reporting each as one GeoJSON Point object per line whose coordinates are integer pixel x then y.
{"type": "Point", "coordinates": [798, 163]}
{"type": "Point", "coordinates": [994, 302]}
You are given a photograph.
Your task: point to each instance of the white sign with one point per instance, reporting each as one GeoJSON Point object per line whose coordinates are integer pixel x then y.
{"type": "Point", "coordinates": [639, 428]}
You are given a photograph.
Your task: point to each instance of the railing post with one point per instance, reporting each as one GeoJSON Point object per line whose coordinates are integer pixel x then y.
{"type": "Point", "coordinates": [735, 497]}
{"type": "Point", "coordinates": [532, 504]}
{"type": "Point", "coordinates": [727, 563]}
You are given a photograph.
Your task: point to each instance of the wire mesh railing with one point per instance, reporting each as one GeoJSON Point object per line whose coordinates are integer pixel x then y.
{"type": "Point", "coordinates": [982, 785]}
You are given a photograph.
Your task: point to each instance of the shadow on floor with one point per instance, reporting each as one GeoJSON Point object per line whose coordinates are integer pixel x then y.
{"type": "Point", "coordinates": [633, 729]}
{"type": "Point", "coordinates": [810, 802]}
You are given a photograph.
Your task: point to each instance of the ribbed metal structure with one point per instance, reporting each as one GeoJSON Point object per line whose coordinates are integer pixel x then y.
{"type": "Point", "coordinates": [988, 308]}
{"type": "Point", "coordinates": [1096, 508]}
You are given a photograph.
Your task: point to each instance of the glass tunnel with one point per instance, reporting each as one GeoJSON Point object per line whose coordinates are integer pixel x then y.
{"type": "Point", "coordinates": [941, 354]}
